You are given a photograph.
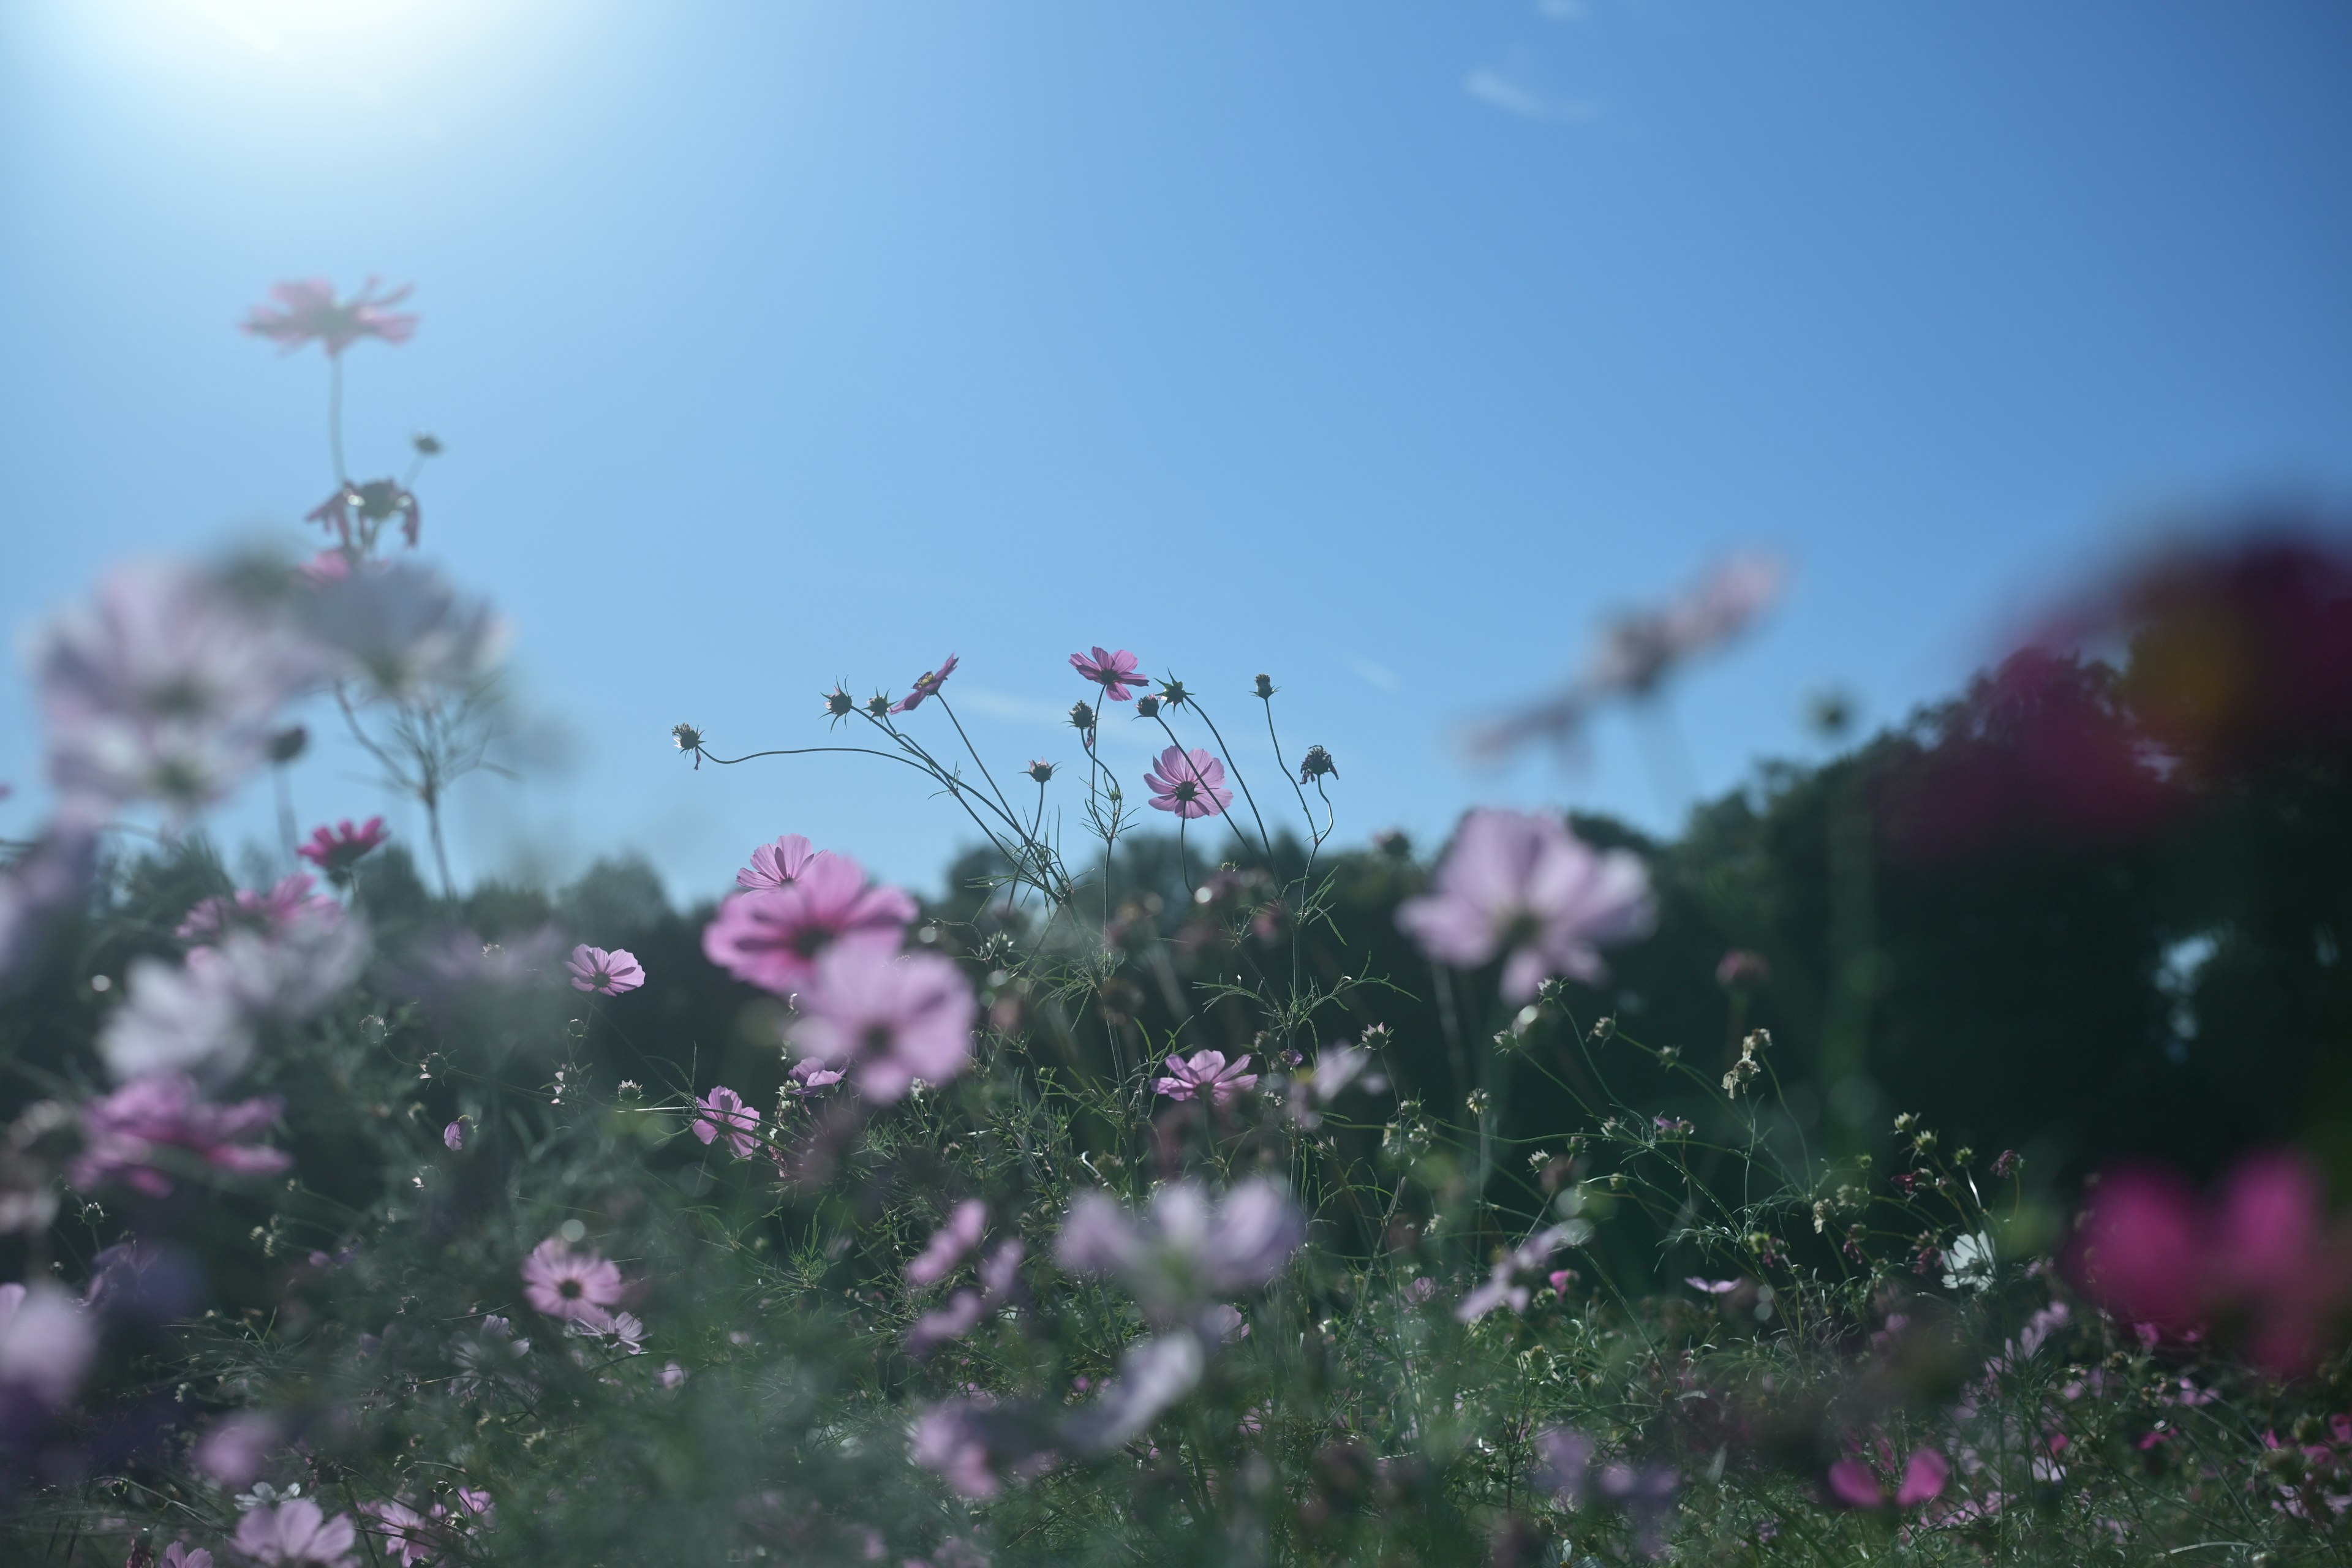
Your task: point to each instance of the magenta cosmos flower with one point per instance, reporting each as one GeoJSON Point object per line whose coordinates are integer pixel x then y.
{"type": "Point", "coordinates": [1854, 1483]}
{"type": "Point", "coordinates": [124, 1133]}
{"type": "Point", "coordinates": [926, 684]}
{"type": "Point", "coordinates": [777, 864]}
{"type": "Point", "coordinates": [1190, 784]}
{"type": "Point", "coordinates": [307, 310]}
{"type": "Point", "coordinates": [773, 937]}
{"type": "Point", "coordinates": [574, 1285]}
{"type": "Point", "coordinates": [949, 1244]}
{"type": "Point", "coordinates": [725, 1114]}
{"type": "Point", "coordinates": [1207, 1073]}
{"type": "Point", "coordinates": [296, 1532]}
{"type": "Point", "coordinates": [594, 969]}
{"type": "Point", "coordinates": [1524, 886]}
{"type": "Point", "coordinates": [885, 1020]}
{"type": "Point", "coordinates": [335, 850]}
{"type": "Point", "coordinates": [1114, 672]}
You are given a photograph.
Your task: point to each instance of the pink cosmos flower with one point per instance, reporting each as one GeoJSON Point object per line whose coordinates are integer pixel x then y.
{"type": "Point", "coordinates": [613, 973]}
{"type": "Point", "coordinates": [1506, 1285]}
{"type": "Point", "coordinates": [290, 900]}
{"type": "Point", "coordinates": [1114, 672]}
{"type": "Point", "coordinates": [886, 1020]}
{"type": "Point", "coordinates": [806, 1077]}
{"type": "Point", "coordinates": [1185, 1248]}
{"type": "Point", "coordinates": [124, 1133]}
{"type": "Point", "coordinates": [1190, 784]}
{"type": "Point", "coordinates": [926, 684]}
{"type": "Point", "coordinates": [307, 310]}
{"type": "Point", "coordinates": [949, 1244]}
{"type": "Point", "coordinates": [234, 1448]}
{"type": "Point", "coordinates": [1524, 886]}
{"type": "Point", "coordinates": [335, 850]}
{"type": "Point", "coordinates": [47, 1340]}
{"type": "Point", "coordinates": [773, 937]}
{"type": "Point", "coordinates": [963, 1441]}
{"type": "Point", "coordinates": [292, 1533]}
{"type": "Point", "coordinates": [1851, 1482]}
{"type": "Point", "coordinates": [453, 1137]}
{"type": "Point", "coordinates": [777, 864]}
{"type": "Point", "coordinates": [724, 1113]}
{"type": "Point", "coordinates": [577, 1287]}
{"type": "Point", "coordinates": [1207, 1072]}
{"type": "Point", "coordinates": [407, 1537]}
{"type": "Point", "coordinates": [179, 1555]}
{"type": "Point", "coordinates": [1739, 966]}
{"type": "Point", "coordinates": [2261, 1257]}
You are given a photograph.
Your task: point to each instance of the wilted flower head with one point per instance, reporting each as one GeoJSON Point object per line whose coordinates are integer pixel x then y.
{"type": "Point", "coordinates": [886, 1020]}
{"type": "Point", "coordinates": [48, 1342]}
{"type": "Point", "coordinates": [307, 311]}
{"type": "Point", "coordinates": [290, 900]}
{"type": "Point", "coordinates": [774, 937]}
{"type": "Point", "coordinates": [1314, 764]}
{"type": "Point", "coordinates": [1190, 784]}
{"type": "Point", "coordinates": [1208, 1073]}
{"type": "Point", "coordinates": [575, 1285]}
{"type": "Point", "coordinates": [1185, 1250]}
{"type": "Point", "coordinates": [724, 1114]}
{"type": "Point", "coordinates": [686, 738]}
{"type": "Point", "coordinates": [166, 687]}
{"type": "Point", "coordinates": [611, 973]}
{"type": "Point", "coordinates": [288, 1534]}
{"type": "Point", "coordinates": [123, 1134]}
{"type": "Point", "coordinates": [357, 512]}
{"type": "Point", "coordinates": [335, 850]}
{"type": "Point", "coordinates": [839, 704]}
{"type": "Point", "coordinates": [926, 684]}
{"type": "Point", "coordinates": [1523, 886]}
{"type": "Point", "coordinates": [1081, 716]}
{"type": "Point", "coordinates": [1114, 672]}
{"type": "Point", "coordinates": [777, 864]}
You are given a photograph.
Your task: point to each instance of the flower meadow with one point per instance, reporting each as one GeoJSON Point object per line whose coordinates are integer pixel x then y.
{"type": "Point", "coordinates": [1182, 1187]}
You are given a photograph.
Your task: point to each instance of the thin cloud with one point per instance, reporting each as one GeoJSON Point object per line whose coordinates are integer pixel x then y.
{"type": "Point", "coordinates": [1379, 675]}
{"type": "Point", "coordinates": [1498, 91]}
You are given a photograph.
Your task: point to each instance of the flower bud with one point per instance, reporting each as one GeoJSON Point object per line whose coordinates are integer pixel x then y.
{"type": "Point", "coordinates": [1265, 686]}
{"type": "Point", "coordinates": [288, 743]}
{"type": "Point", "coordinates": [1081, 716]}
{"type": "Point", "coordinates": [1146, 707]}
{"type": "Point", "coordinates": [427, 445]}
{"type": "Point", "coordinates": [1041, 770]}
{"type": "Point", "coordinates": [839, 704]}
{"type": "Point", "coordinates": [878, 705]}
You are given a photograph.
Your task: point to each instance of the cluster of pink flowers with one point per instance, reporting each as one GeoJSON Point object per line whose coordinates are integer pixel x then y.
{"type": "Point", "coordinates": [1523, 887]}
{"type": "Point", "coordinates": [807, 925]}
{"type": "Point", "coordinates": [124, 1133]}
{"type": "Point", "coordinates": [2260, 1259]}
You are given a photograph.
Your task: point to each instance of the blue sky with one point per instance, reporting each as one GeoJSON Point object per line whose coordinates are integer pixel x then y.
{"type": "Point", "coordinates": [1382, 347]}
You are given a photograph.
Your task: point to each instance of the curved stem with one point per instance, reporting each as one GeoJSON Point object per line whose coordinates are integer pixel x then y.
{"type": "Point", "coordinates": [335, 418]}
{"type": "Point", "coordinates": [1234, 764]}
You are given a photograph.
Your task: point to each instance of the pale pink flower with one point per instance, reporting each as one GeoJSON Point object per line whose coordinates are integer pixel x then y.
{"type": "Point", "coordinates": [47, 1340]}
{"type": "Point", "coordinates": [672, 1375]}
{"type": "Point", "coordinates": [1153, 1373]}
{"type": "Point", "coordinates": [405, 630]}
{"type": "Point", "coordinates": [1523, 886]}
{"type": "Point", "coordinates": [1207, 1073]}
{"type": "Point", "coordinates": [307, 311]}
{"type": "Point", "coordinates": [777, 864]}
{"type": "Point", "coordinates": [1184, 1249]}
{"type": "Point", "coordinates": [201, 1015]}
{"type": "Point", "coordinates": [773, 937]}
{"type": "Point", "coordinates": [233, 1450]}
{"type": "Point", "coordinates": [124, 1132]}
{"type": "Point", "coordinates": [1190, 784]}
{"type": "Point", "coordinates": [292, 1533]}
{"type": "Point", "coordinates": [335, 850]}
{"type": "Point", "coordinates": [407, 1537]}
{"type": "Point", "coordinates": [1505, 1283]}
{"type": "Point", "coordinates": [886, 1020]}
{"type": "Point", "coordinates": [611, 973]}
{"type": "Point", "coordinates": [974, 1444]}
{"type": "Point", "coordinates": [575, 1285]}
{"type": "Point", "coordinates": [178, 1555]}
{"type": "Point", "coordinates": [1114, 672]}
{"type": "Point", "coordinates": [290, 899]}
{"type": "Point", "coordinates": [949, 1244]}
{"type": "Point", "coordinates": [926, 684]}
{"type": "Point", "coordinates": [725, 1114]}
{"type": "Point", "coordinates": [453, 1137]}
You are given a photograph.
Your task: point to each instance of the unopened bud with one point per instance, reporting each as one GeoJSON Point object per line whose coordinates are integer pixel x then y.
{"type": "Point", "coordinates": [288, 743]}
{"type": "Point", "coordinates": [1265, 686]}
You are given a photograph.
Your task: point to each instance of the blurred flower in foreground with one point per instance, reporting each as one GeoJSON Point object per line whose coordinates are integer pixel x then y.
{"type": "Point", "coordinates": [290, 899]}
{"type": "Point", "coordinates": [1854, 1484]}
{"type": "Point", "coordinates": [974, 1445]}
{"type": "Point", "coordinates": [1640, 651]}
{"type": "Point", "coordinates": [201, 1017]}
{"type": "Point", "coordinates": [42, 883]}
{"type": "Point", "coordinates": [357, 512]}
{"type": "Point", "coordinates": [335, 850]}
{"type": "Point", "coordinates": [307, 311]}
{"type": "Point", "coordinates": [1524, 886]}
{"type": "Point", "coordinates": [1184, 1249]}
{"type": "Point", "coordinates": [774, 937]}
{"type": "Point", "coordinates": [1565, 1468]}
{"type": "Point", "coordinates": [166, 687]}
{"type": "Point", "coordinates": [405, 630]}
{"type": "Point", "coordinates": [949, 1244]}
{"type": "Point", "coordinates": [290, 1534]}
{"type": "Point", "coordinates": [1507, 1283]}
{"type": "Point", "coordinates": [2260, 1260]}
{"type": "Point", "coordinates": [124, 1131]}
{"type": "Point", "coordinates": [1190, 784]}
{"type": "Point", "coordinates": [926, 684]}
{"type": "Point", "coordinates": [46, 1341]}
{"type": "Point", "coordinates": [612, 973]}
{"type": "Point", "coordinates": [1208, 1073]}
{"type": "Point", "coordinates": [888, 1020]}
